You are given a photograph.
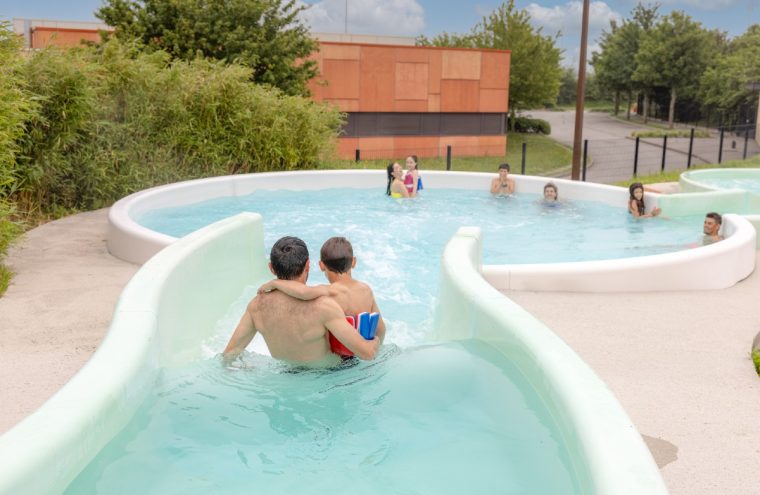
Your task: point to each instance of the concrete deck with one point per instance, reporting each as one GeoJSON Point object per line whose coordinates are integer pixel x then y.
{"type": "Point", "coordinates": [678, 361]}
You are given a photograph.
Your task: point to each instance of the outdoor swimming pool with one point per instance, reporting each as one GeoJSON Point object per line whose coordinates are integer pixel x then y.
{"type": "Point", "coordinates": [398, 242]}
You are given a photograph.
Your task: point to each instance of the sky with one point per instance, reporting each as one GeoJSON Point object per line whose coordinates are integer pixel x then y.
{"type": "Point", "coordinates": [431, 17]}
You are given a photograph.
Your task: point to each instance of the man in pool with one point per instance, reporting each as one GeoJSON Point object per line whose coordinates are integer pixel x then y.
{"type": "Point", "coordinates": [711, 228]}
{"type": "Point", "coordinates": [296, 330]}
{"type": "Point", "coordinates": [503, 185]}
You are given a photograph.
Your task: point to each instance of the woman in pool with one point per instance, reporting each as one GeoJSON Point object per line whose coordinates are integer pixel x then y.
{"type": "Point", "coordinates": [396, 187]}
{"type": "Point", "coordinates": [412, 176]}
{"type": "Point", "coordinates": [636, 205]}
{"type": "Point", "coordinates": [551, 197]}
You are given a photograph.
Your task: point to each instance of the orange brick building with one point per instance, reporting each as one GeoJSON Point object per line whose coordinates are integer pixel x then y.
{"type": "Point", "coordinates": [400, 99]}
{"type": "Point", "coordinates": [403, 100]}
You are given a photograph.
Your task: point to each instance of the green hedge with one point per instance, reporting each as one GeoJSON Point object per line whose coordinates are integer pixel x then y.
{"type": "Point", "coordinates": [531, 125]}
{"type": "Point", "coordinates": [112, 120]}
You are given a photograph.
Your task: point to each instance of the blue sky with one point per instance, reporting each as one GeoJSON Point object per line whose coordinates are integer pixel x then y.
{"type": "Point", "coordinates": [412, 17]}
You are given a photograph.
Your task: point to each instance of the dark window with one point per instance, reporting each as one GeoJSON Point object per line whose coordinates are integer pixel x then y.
{"type": "Point", "coordinates": [365, 124]}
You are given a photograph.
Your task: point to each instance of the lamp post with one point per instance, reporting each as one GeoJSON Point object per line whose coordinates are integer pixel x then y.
{"type": "Point", "coordinates": [579, 97]}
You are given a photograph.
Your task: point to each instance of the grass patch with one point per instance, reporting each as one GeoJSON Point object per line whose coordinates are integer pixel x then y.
{"type": "Point", "coordinates": [544, 156]}
{"type": "Point", "coordinates": [5, 279]}
{"type": "Point", "coordinates": [756, 360]}
{"type": "Point", "coordinates": [10, 228]}
{"type": "Point", "coordinates": [682, 133]}
{"type": "Point", "coordinates": [673, 176]}
{"type": "Point", "coordinates": [588, 105]}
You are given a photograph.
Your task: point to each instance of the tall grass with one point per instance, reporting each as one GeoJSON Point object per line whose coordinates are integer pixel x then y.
{"type": "Point", "coordinates": [112, 120]}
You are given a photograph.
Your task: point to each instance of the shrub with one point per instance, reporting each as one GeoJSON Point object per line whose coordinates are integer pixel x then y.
{"type": "Point", "coordinates": [531, 125]}
{"type": "Point", "coordinates": [113, 120]}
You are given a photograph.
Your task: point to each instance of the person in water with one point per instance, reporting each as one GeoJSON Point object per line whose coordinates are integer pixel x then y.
{"type": "Point", "coordinates": [636, 206]}
{"type": "Point", "coordinates": [711, 228]}
{"type": "Point", "coordinates": [412, 175]}
{"type": "Point", "coordinates": [503, 185]}
{"type": "Point", "coordinates": [550, 193]}
{"type": "Point", "coordinates": [396, 187]}
{"type": "Point", "coordinates": [337, 260]}
{"type": "Point", "coordinates": [296, 330]}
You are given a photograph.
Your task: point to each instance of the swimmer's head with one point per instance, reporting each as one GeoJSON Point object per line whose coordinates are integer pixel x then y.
{"type": "Point", "coordinates": [712, 223]}
{"type": "Point", "coordinates": [550, 192]}
{"type": "Point", "coordinates": [289, 258]}
{"type": "Point", "coordinates": [503, 171]}
{"type": "Point", "coordinates": [636, 190]}
{"type": "Point", "coordinates": [412, 162]}
{"type": "Point", "coordinates": [337, 255]}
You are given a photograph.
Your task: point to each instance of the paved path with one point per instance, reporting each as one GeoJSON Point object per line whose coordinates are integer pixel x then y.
{"type": "Point", "coordinates": [678, 361]}
{"type": "Point", "coordinates": [612, 150]}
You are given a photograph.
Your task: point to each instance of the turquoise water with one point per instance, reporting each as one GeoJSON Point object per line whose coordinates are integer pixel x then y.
{"type": "Point", "coordinates": [446, 419]}
{"type": "Point", "coordinates": [746, 184]}
{"type": "Point", "coordinates": [398, 243]}
{"type": "Point", "coordinates": [443, 419]}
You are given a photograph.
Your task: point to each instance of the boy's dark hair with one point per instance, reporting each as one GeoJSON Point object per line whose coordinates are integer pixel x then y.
{"type": "Point", "coordinates": [552, 186]}
{"type": "Point", "coordinates": [715, 216]}
{"type": "Point", "coordinates": [504, 166]}
{"type": "Point", "coordinates": [288, 257]}
{"type": "Point", "coordinates": [337, 254]}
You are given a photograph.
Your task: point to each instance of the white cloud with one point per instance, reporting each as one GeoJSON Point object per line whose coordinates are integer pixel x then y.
{"type": "Point", "coordinates": [385, 17]}
{"type": "Point", "coordinates": [703, 4]}
{"type": "Point", "coordinates": [567, 18]}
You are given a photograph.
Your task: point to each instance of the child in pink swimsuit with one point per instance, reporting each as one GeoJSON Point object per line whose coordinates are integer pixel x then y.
{"type": "Point", "coordinates": [411, 178]}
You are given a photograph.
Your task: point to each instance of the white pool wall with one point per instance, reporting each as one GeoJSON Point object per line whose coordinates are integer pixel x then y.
{"type": "Point", "coordinates": [609, 454]}
{"type": "Point", "coordinates": [161, 318]}
{"type": "Point", "coordinates": [674, 271]}
{"type": "Point", "coordinates": [743, 202]}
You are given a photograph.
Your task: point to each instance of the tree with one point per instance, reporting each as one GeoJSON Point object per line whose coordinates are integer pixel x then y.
{"type": "Point", "coordinates": [567, 87]}
{"type": "Point", "coordinates": [723, 86]}
{"type": "Point", "coordinates": [534, 71]}
{"type": "Point", "coordinates": [264, 35]}
{"type": "Point", "coordinates": [616, 63]}
{"type": "Point", "coordinates": [674, 55]}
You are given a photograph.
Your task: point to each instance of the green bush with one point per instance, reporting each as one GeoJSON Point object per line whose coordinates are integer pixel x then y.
{"type": "Point", "coordinates": [112, 120]}
{"type": "Point", "coordinates": [531, 125]}
{"type": "Point", "coordinates": [682, 133]}
{"type": "Point", "coordinates": [756, 360]}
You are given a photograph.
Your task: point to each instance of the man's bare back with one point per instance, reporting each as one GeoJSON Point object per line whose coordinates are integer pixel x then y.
{"type": "Point", "coordinates": [292, 329]}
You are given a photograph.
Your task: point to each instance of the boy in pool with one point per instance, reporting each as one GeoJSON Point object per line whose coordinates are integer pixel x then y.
{"type": "Point", "coordinates": [503, 185]}
{"type": "Point", "coordinates": [353, 296]}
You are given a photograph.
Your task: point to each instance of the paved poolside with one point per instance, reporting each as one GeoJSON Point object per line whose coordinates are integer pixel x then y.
{"type": "Point", "coordinates": [678, 361]}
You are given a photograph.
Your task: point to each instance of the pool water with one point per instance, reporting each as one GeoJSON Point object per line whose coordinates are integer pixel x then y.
{"type": "Point", "coordinates": [746, 183]}
{"type": "Point", "coordinates": [398, 243]}
{"type": "Point", "coordinates": [444, 419]}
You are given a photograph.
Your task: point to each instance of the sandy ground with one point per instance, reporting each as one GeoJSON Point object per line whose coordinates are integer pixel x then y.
{"type": "Point", "coordinates": [56, 310]}
{"type": "Point", "coordinates": [678, 361]}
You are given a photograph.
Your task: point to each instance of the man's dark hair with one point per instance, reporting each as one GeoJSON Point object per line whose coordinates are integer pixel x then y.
{"type": "Point", "coordinates": [504, 166]}
{"type": "Point", "coordinates": [288, 257]}
{"type": "Point", "coordinates": [337, 254]}
{"type": "Point", "coordinates": [715, 216]}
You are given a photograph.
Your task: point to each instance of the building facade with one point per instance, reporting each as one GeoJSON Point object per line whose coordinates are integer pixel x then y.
{"type": "Point", "coordinates": [400, 99]}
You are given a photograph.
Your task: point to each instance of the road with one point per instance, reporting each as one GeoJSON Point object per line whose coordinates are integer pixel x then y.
{"type": "Point", "coordinates": [612, 150]}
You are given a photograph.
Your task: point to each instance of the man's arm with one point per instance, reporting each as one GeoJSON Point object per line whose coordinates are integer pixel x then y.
{"type": "Point", "coordinates": [241, 337]}
{"type": "Point", "coordinates": [335, 321]}
{"type": "Point", "coordinates": [296, 289]}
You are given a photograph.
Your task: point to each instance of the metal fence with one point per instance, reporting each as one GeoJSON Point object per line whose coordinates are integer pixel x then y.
{"type": "Point", "coordinates": [604, 160]}
{"type": "Point", "coordinates": [612, 160]}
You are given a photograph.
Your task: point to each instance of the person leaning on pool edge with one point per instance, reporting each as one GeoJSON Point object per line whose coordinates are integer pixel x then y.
{"type": "Point", "coordinates": [503, 185]}
{"type": "Point", "coordinates": [711, 228]}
